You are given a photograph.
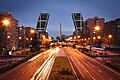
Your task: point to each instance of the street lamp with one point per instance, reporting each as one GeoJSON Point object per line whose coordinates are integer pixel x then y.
{"type": "Point", "coordinates": [27, 39]}
{"type": "Point", "coordinates": [31, 39]}
{"type": "Point", "coordinates": [6, 22]}
{"type": "Point", "coordinates": [78, 36]}
{"type": "Point", "coordinates": [109, 36]}
{"type": "Point", "coordinates": [43, 37]}
{"type": "Point", "coordinates": [94, 29]}
{"type": "Point", "coordinates": [85, 39]}
{"type": "Point", "coordinates": [20, 38]}
{"type": "Point", "coordinates": [49, 38]}
{"type": "Point", "coordinates": [70, 38]}
{"type": "Point", "coordinates": [74, 37]}
{"type": "Point", "coordinates": [32, 31]}
{"type": "Point", "coordinates": [97, 28]}
{"type": "Point", "coordinates": [8, 37]}
{"type": "Point", "coordinates": [94, 38]}
{"type": "Point", "coordinates": [99, 37]}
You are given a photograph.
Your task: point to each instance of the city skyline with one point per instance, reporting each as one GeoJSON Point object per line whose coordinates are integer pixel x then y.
{"type": "Point", "coordinates": [27, 12]}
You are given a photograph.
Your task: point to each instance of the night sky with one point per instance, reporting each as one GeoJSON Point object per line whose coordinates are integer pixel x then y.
{"type": "Point", "coordinates": [27, 11]}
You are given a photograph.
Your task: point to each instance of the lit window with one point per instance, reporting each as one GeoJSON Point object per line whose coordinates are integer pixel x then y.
{"type": "Point", "coordinates": [97, 21]}
{"type": "Point", "coordinates": [27, 39]}
{"type": "Point", "coordinates": [20, 28]}
{"type": "Point", "coordinates": [118, 25]}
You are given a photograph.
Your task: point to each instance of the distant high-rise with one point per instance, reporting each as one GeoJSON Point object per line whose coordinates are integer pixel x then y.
{"type": "Point", "coordinates": [78, 21]}
{"type": "Point", "coordinates": [42, 25]}
{"type": "Point", "coordinates": [42, 22]}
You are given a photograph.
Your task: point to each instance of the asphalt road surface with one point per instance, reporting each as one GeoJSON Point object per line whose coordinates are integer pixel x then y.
{"type": "Point", "coordinates": [88, 68]}
{"type": "Point", "coordinates": [26, 70]}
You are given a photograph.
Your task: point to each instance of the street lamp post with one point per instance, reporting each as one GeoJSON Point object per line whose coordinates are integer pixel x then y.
{"type": "Point", "coordinates": [93, 38]}
{"type": "Point", "coordinates": [32, 32]}
{"type": "Point", "coordinates": [108, 37]}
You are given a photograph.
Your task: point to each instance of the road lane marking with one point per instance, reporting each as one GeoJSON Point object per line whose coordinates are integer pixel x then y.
{"type": "Point", "coordinates": [93, 78]}
{"type": "Point", "coordinates": [78, 68]}
{"type": "Point", "coordinates": [30, 66]}
{"type": "Point", "coordinates": [40, 79]}
{"type": "Point", "coordinates": [25, 63]}
{"type": "Point", "coordinates": [110, 79]}
{"type": "Point", "coordinates": [100, 71]}
{"type": "Point", "coordinates": [42, 68]}
{"type": "Point", "coordinates": [23, 72]}
{"type": "Point", "coordinates": [107, 68]}
{"type": "Point", "coordinates": [13, 69]}
{"type": "Point", "coordinates": [72, 67]}
{"type": "Point", "coordinates": [46, 51]}
{"type": "Point", "coordinates": [39, 69]}
{"type": "Point", "coordinates": [86, 70]}
{"type": "Point", "coordinates": [52, 63]}
{"type": "Point", "coordinates": [101, 64]}
{"type": "Point", "coordinates": [35, 57]}
{"type": "Point", "coordinates": [91, 64]}
{"type": "Point", "coordinates": [91, 69]}
{"type": "Point", "coordinates": [47, 67]}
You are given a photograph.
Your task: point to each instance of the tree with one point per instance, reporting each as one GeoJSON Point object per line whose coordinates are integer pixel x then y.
{"type": "Point", "coordinates": [58, 38]}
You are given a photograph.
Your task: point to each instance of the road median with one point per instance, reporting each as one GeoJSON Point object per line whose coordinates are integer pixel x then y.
{"type": "Point", "coordinates": [62, 69]}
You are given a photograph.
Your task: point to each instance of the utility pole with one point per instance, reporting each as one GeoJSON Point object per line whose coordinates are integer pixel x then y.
{"type": "Point", "coordinates": [60, 31]}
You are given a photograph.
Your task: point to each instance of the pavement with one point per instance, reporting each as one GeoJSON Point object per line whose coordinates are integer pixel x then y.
{"type": "Point", "coordinates": [85, 68]}
{"type": "Point", "coordinates": [88, 68]}
{"type": "Point", "coordinates": [26, 70]}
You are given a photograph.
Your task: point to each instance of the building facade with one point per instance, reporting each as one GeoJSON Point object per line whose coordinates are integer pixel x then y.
{"type": "Point", "coordinates": [112, 28]}
{"type": "Point", "coordinates": [8, 32]}
{"type": "Point", "coordinates": [21, 37]}
{"type": "Point", "coordinates": [93, 29]}
{"type": "Point", "coordinates": [26, 35]}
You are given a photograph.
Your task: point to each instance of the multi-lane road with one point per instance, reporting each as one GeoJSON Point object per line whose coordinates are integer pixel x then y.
{"type": "Point", "coordinates": [85, 68]}
{"type": "Point", "coordinates": [26, 70]}
{"type": "Point", "coordinates": [88, 68]}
